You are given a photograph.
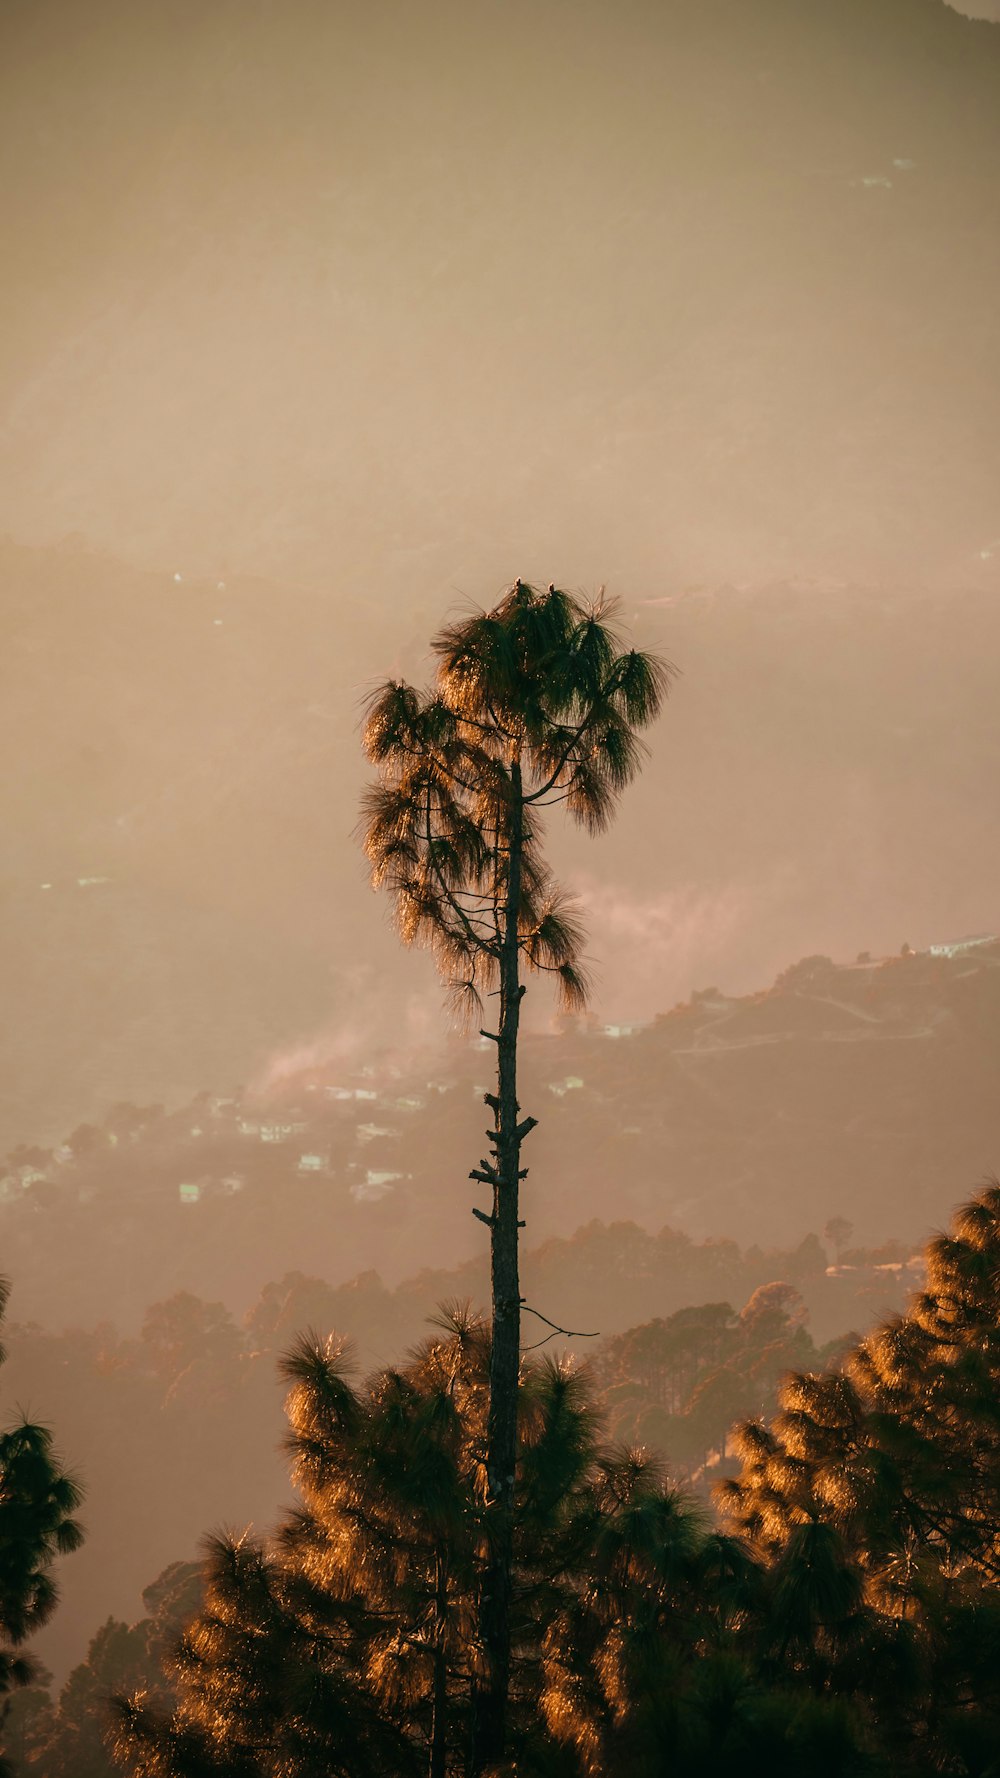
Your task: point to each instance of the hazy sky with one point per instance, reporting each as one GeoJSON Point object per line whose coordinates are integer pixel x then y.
{"type": "Point", "coordinates": [690, 289]}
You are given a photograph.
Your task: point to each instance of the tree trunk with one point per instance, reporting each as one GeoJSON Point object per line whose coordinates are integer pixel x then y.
{"type": "Point", "coordinates": [437, 1764]}
{"type": "Point", "coordinates": [489, 1715]}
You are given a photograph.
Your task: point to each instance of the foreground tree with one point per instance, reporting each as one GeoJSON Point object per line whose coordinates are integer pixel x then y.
{"type": "Point", "coordinates": [874, 1498]}
{"type": "Point", "coordinates": [37, 1502]}
{"type": "Point", "coordinates": [536, 702]}
{"type": "Point", "coordinates": [851, 1629]}
{"type": "Point", "coordinates": [70, 1739]}
{"type": "Point", "coordinates": [351, 1644]}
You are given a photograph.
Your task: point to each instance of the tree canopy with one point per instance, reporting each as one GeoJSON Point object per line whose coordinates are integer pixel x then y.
{"type": "Point", "coordinates": [536, 702]}
{"type": "Point", "coordinates": [38, 1500]}
{"type": "Point", "coordinates": [847, 1623]}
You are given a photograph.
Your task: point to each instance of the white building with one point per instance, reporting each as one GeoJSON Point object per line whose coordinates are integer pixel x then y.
{"type": "Point", "coordinates": [280, 1132]}
{"type": "Point", "coordinates": [956, 947]}
{"type": "Point", "coordinates": [375, 1184]}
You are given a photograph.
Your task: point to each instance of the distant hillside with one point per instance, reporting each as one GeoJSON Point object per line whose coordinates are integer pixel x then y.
{"type": "Point", "coordinates": [843, 1091]}
{"type": "Point", "coordinates": [186, 777]}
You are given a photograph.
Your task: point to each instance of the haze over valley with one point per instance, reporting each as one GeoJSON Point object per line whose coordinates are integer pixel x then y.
{"type": "Point", "coordinates": [321, 327]}
{"type": "Point", "coordinates": [185, 907]}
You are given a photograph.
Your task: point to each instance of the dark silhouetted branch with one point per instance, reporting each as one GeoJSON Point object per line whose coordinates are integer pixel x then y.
{"type": "Point", "coordinates": [570, 1333]}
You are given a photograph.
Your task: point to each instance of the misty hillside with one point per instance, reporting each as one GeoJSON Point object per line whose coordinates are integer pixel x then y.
{"type": "Point", "coordinates": [667, 1438]}
{"type": "Point", "coordinates": [846, 1091]}
{"type": "Point", "coordinates": [381, 297]}
{"type": "Point", "coordinates": [187, 781]}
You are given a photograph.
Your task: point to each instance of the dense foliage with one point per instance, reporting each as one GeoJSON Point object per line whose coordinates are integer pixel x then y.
{"type": "Point", "coordinates": [874, 1498]}
{"type": "Point", "coordinates": [69, 1738]}
{"type": "Point", "coordinates": [848, 1623]}
{"type": "Point", "coordinates": [351, 1644]}
{"type": "Point", "coordinates": [178, 1427]}
{"type": "Point", "coordinates": [37, 1501]}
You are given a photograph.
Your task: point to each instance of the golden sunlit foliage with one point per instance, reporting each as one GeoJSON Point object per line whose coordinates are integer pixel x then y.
{"type": "Point", "coordinates": [874, 1496]}
{"type": "Point", "coordinates": [353, 1637]}
{"type": "Point", "coordinates": [849, 1628]}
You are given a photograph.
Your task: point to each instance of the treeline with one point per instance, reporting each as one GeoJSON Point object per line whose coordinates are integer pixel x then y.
{"type": "Point", "coordinates": [844, 1619]}
{"type": "Point", "coordinates": [179, 1426]}
{"type": "Point", "coordinates": [756, 1116]}
{"type": "Point", "coordinates": [67, 1737]}
{"type": "Point", "coordinates": [183, 1430]}
{"type": "Point", "coordinates": [607, 1277]}
{"type": "Point", "coordinates": [677, 1385]}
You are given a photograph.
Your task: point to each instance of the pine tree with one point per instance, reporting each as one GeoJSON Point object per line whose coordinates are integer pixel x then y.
{"type": "Point", "coordinates": [536, 702]}
{"type": "Point", "coordinates": [351, 1643]}
{"type": "Point", "coordinates": [874, 1497]}
{"type": "Point", "coordinates": [38, 1499]}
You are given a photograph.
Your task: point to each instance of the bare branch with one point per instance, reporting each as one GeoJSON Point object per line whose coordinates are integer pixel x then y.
{"type": "Point", "coordinates": [570, 1333]}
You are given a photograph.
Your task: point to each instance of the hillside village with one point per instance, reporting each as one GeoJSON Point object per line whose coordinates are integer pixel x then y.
{"type": "Point", "coordinates": [754, 1118]}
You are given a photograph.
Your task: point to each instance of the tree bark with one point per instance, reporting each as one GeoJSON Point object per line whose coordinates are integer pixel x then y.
{"type": "Point", "coordinates": [489, 1713]}
{"type": "Point", "coordinates": [437, 1764]}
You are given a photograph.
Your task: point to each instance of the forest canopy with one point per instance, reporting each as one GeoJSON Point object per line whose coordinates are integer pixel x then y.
{"type": "Point", "coordinates": [847, 1620]}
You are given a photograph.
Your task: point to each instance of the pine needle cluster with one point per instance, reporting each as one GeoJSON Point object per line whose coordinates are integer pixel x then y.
{"type": "Point", "coordinates": [38, 1503]}
{"type": "Point", "coordinates": [535, 702]}
{"type": "Point", "coordinates": [874, 1499]}
{"type": "Point", "coordinates": [349, 1644]}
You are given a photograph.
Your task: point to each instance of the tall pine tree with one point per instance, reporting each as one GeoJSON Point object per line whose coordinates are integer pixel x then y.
{"type": "Point", "coordinates": [536, 702]}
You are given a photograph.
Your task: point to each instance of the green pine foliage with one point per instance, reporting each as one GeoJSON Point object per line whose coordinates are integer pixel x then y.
{"type": "Point", "coordinates": [873, 1498]}
{"type": "Point", "coordinates": [38, 1499]}
{"type": "Point", "coordinates": [350, 1643]}
{"type": "Point", "coordinates": [72, 1737]}
{"type": "Point", "coordinates": [536, 702]}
